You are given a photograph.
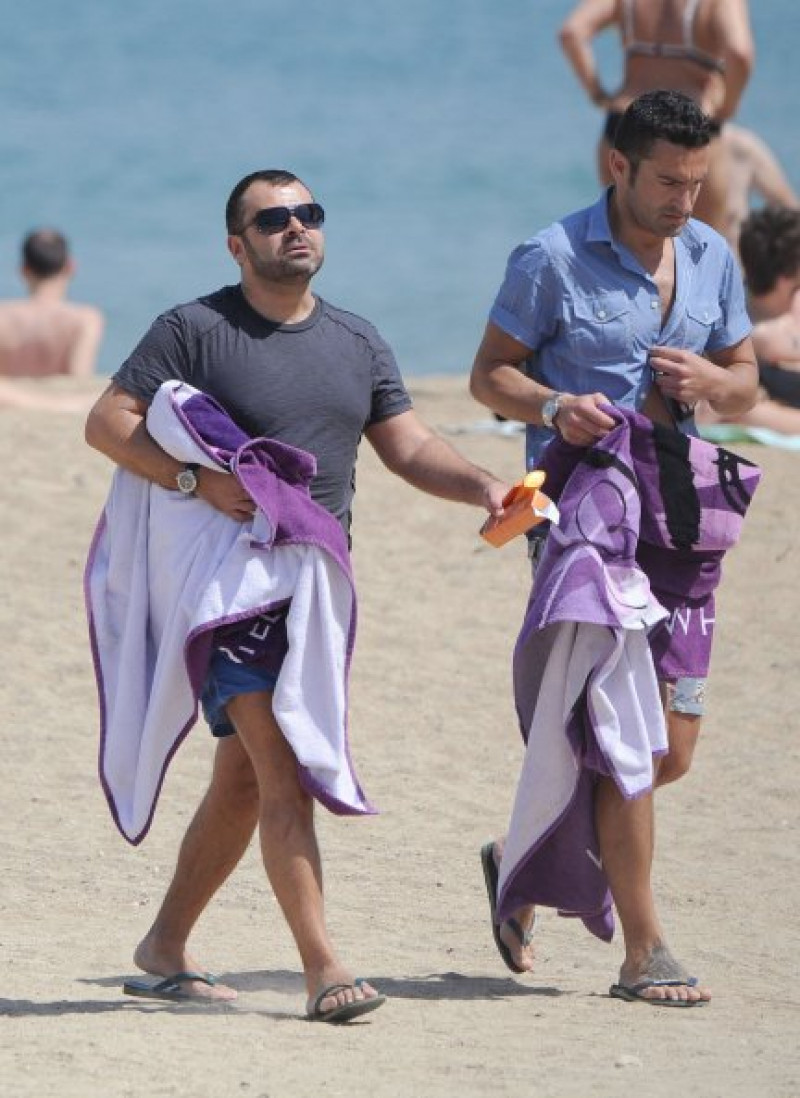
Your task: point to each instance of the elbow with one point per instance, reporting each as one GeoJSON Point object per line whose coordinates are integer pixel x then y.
{"type": "Point", "coordinates": [93, 432]}
{"type": "Point", "coordinates": [741, 58]}
{"type": "Point", "coordinates": [568, 36]}
{"type": "Point", "coordinates": [477, 387]}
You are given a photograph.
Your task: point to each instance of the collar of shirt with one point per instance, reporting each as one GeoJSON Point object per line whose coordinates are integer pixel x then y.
{"type": "Point", "coordinates": [598, 231]}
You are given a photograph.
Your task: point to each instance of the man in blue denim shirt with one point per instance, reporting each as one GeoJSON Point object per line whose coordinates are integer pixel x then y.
{"type": "Point", "coordinates": [629, 302]}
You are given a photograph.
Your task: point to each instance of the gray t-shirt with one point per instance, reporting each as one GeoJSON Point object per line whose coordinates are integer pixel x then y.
{"type": "Point", "coordinates": [315, 385]}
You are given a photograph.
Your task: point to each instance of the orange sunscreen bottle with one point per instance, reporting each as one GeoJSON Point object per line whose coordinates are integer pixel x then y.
{"type": "Point", "coordinates": [523, 507]}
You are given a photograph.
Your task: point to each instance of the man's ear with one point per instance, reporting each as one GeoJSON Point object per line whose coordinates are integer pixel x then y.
{"type": "Point", "coordinates": [618, 165]}
{"type": "Point", "coordinates": [236, 248]}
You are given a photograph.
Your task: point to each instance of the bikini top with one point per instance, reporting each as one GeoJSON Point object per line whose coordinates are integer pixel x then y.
{"type": "Point", "coordinates": [680, 51]}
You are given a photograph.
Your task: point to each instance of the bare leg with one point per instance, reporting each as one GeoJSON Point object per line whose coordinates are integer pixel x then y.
{"type": "Point", "coordinates": [289, 848]}
{"type": "Point", "coordinates": [626, 833]}
{"type": "Point", "coordinates": [683, 730]}
{"type": "Point", "coordinates": [213, 845]}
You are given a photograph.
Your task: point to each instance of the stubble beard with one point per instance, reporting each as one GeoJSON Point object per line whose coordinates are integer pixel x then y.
{"type": "Point", "coordinates": [651, 222]}
{"type": "Point", "coordinates": [284, 270]}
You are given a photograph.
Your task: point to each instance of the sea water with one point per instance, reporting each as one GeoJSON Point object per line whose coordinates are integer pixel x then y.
{"type": "Point", "coordinates": [436, 135]}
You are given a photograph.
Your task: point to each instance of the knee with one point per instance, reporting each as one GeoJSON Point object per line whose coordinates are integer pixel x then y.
{"type": "Point", "coordinates": [675, 765]}
{"type": "Point", "coordinates": [236, 785]}
{"type": "Point", "coordinates": [283, 807]}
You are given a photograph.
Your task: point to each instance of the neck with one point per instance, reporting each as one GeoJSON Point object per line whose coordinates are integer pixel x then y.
{"type": "Point", "coordinates": [768, 306]}
{"type": "Point", "coordinates": [288, 304]}
{"type": "Point", "coordinates": [648, 247]}
{"type": "Point", "coordinates": [47, 289]}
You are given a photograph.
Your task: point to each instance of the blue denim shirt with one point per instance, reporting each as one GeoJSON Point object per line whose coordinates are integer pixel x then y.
{"type": "Point", "coordinates": [591, 313]}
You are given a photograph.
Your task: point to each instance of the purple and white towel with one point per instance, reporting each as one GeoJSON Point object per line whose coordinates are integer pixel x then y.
{"type": "Point", "coordinates": [646, 517]}
{"type": "Point", "coordinates": [164, 572]}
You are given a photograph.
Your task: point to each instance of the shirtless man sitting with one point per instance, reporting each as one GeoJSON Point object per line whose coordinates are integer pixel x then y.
{"type": "Point", "coordinates": [770, 252]}
{"type": "Point", "coordinates": [44, 335]}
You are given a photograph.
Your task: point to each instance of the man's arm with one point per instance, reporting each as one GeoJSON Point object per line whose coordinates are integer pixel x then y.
{"type": "Point", "coordinates": [769, 179]}
{"type": "Point", "coordinates": [732, 21]}
{"type": "Point", "coordinates": [116, 427]}
{"type": "Point", "coordinates": [727, 379]}
{"type": "Point", "coordinates": [576, 34]}
{"type": "Point", "coordinates": [83, 353]}
{"type": "Point", "coordinates": [498, 381]}
{"type": "Point", "coordinates": [409, 448]}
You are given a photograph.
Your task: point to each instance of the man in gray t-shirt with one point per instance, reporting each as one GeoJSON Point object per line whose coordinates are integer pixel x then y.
{"type": "Point", "coordinates": [317, 383]}
{"type": "Point", "coordinates": [287, 365]}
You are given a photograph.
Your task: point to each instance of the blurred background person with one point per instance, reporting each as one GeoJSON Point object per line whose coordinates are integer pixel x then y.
{"type": "Point", "coordinates": [769, 245]}
{"type": "Point", "coordinates": [703, 48]}
{"type": "Point", "coordinates": [44, 334]}
{"type": "Point", "coordinates": [753, 171]}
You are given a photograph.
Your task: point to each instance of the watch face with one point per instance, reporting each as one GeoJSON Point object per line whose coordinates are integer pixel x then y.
{"type": "Point", "coordinates": [187, 481]}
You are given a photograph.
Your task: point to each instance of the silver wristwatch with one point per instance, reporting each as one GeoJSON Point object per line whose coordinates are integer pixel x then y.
{"type": "Point", "coordinates": [550, 409]}
{"type": "Point", "coordinates": [186, 479]}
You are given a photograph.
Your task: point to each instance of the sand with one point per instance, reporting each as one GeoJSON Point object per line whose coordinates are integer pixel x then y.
{"type": "Point", "coordinates": [436, 746]}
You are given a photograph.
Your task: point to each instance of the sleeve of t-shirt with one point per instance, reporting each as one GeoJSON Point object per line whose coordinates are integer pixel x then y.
{"type": "Point", "coordinates": [527, 306]}
{"type": "Point", "coordinates": [162, 355]}
{"type": "Point", "coordinates": [389, 394]}
{"type": "Point", "coordinates": [734, 323]}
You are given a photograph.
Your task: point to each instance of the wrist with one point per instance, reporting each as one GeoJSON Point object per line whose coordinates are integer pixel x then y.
{"type": "Point", "coordinates": [550, 409]}
{"type": "Point", "coordinates": [598, 95]}
{"type": "Point", "coordinates": [186, 479]}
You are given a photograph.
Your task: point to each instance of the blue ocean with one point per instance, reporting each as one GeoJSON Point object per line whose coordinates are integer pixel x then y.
{"type": "Point", "coordinates": [436, 135]}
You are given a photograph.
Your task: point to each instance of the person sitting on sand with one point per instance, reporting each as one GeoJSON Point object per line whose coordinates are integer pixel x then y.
{"type": "Point", "coordinates": [770, 253]}
{"type": "Point", "coordinates": [44, 335]}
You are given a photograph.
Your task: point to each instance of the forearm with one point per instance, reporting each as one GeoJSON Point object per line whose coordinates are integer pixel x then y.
{"type": "Point", "coordinates": [739, 65]}
{"type": "Point", "coordinates": [436, 468]}
{"type": "Point", "coordinates": [733, 389]}
{"type": "Point", "coordinates": [122, 436]}
{"type": "Point", "coordinates": [578, 51]}
{"type": "Point", "coordinates": [506, 390]}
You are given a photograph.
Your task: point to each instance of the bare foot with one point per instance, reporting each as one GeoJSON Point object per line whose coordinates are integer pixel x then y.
{"type": "Point", "coordinates": [659, 979]}
{"type": "Point", "coordinates": [346, 998]}
{"type": "Point", "coordinates": [513, 937]}
{"type": "Point", "coordinates": [161, 961]}
{"type": "Point", "coordinates": [517, 940]}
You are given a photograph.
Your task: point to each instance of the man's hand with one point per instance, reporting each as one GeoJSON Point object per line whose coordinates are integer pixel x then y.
{"type": "Point", "coordinates": [493, 495]}
{"type": "Point", "coordinates": [223, 491]}
{"type": "Point", "coordinates": [580, 419]}
{"type": "Point", "coordinates": [684, 376]}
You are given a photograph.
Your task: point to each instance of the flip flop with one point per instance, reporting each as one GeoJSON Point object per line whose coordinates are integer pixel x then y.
{"type": "Point", "coordinates": [347, 1011]}
{"type": "Point", "coordinates": [171, 987]}
{"type": "Point", "coordinates": [490, 875]}
{"type": "Point", "coordinates": [633, 994]}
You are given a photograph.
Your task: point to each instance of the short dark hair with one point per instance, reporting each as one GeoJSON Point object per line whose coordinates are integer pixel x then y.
{"type": "Point", "coordinates": [661, 116]}
{"type": "Point", "coordinates": [45, 252]}
{"type": "Point", "coordinates": [276, 177]}
{"type": "Point", "coordinates": [769, 246]}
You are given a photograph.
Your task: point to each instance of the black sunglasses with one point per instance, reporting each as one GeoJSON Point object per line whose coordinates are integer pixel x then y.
{"type": "Point", "coordinates": [275, 219]}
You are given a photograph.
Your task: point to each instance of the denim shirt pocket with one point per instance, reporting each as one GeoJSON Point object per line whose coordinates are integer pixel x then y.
{"type": "Point", "coordinates": [701, 319]}
{"type": "Point", "coordinates": [600, 326]}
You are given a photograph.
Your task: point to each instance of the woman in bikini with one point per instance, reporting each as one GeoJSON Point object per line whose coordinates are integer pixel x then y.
{"type": "Point", "coordinates": [703, 48]}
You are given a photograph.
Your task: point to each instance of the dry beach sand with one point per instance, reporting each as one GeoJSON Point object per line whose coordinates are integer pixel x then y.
{"type": "Point", "coordinates": [436, 747]}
